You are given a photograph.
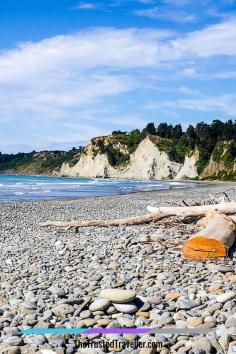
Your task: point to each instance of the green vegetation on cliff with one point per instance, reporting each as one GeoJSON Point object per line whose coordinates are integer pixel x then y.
{"type": "Point", "coordinates": [119, 146]}
{"type": "Point", "coordinates": [176, 149]}
{"type": "Point", "coordinates": [44, 162]}
{"type": "Point", "coordinates": [225, 151]}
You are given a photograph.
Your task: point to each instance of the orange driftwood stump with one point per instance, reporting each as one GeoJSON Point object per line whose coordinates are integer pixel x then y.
{"type": "Point", "coordinates": [214, 240]}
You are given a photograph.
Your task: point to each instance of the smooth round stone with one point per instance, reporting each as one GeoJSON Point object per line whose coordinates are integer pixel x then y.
{"type": "Point", "coordinates": [10, 350]}
{"type": "Point", "coordinates": [130, 337]}
{"type": "Point", "coordinates": [213, 308]}
{"type": "Point", "coordinates": [231, 321]}
{"type": "Point", "coordinates": [111, 310]}
{"type": "Point", "coordinates": [126, 308]}
{"type": "Point", "coordinates": [154, 300]}
{"type": "Point", "coordinates": [57, 291]}
{"type": "Point", "coordinates": [215, 288]}
{"type": "Point", "coordinates": [47, 315]}
{"type": "Point", "coordinates": [194, 321]}
{"type": "Point", "coordinates": [208, 325]}
{"type": "Point", "coordinates": [37, 340]}
{"type": "Point", "coordinates": [229, 305]}
{"type": "Point", "coordinates": [58, 342]}
{"type": "Point", "coordinates": [185, 303]}
{"type": "Point", "coordinates": [117, 295]}
{"type": "Point", "coordinates": [222, 298]}
{"type": "Point", "coordinates": [202, 344]}
{"type": "Point", "coordinates": [85, 314]}
{"type": "Point", "coordinates": [221, 330]}
{"type": "Point", "coordinates": [29, 306]}
{"type": "Point", "coordinates": [103, 322]}
{"type": "Point", "coordinates": [180, 323]}
{"type": "Point", "coordinates": [208, 319]}
{"type": "Point", "coordinates": [96, 277]}
{"type": "Point", "coordinates": [62, 310]}
{"type": "Point", "coordinates": [143, 314]}
{"type": "Point", "coordinates": [125, 322]}
{"type": "Point", "coordinates": [173, 296]}
{"type": "Point", "coordinates": [89, 322]}
{"type": "Point", "coordinates": [14, 341]}
{"type": "Point", "coordinates": [99, 305]}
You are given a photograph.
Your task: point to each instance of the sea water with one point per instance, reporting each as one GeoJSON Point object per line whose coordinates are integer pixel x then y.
{"type": "Point", "coordinates": [27, 188]}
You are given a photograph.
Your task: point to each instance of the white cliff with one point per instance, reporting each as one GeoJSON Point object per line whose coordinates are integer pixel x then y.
{"type": "Point", "coordinates": [88, 166]}
{"type": "Point", "coordinates": [189, 169]}
{"type": "Point", "coordinates": [147, 162]}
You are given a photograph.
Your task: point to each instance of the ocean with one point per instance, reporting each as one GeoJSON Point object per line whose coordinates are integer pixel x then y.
{"type": "Point", "coordinates": [30, 188]}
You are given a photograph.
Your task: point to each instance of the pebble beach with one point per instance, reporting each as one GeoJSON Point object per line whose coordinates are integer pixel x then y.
{"type": "Point", "coordinates": [132, 276]}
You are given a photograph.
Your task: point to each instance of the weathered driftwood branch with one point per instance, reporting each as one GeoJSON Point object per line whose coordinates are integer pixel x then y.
{"type": "Point", "coordinates": [154, 215]}
{"type": "Point", "coordinates": [214, 240]}
{"type": "Point", "coordinates": [188, 211]}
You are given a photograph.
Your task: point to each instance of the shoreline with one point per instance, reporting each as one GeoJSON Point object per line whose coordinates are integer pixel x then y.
{"type": "Point", "coordinates": [186, 185]}
{"type": "Point", "coordinates": [115, 179]}
{"type": "Point", "coordinates": [163, 190]}
{"type": "Point", "coordinates": [170, 192]}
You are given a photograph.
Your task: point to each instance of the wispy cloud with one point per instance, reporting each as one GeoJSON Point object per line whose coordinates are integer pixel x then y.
{"type": "Point", "coordinates": [86, 6]}
{"type": "Point", "coordinates": [223, 104]}
{"type": "Point", "coordinates": [166, 14]}
{"type": "Point", "coordinates": [185, 11]}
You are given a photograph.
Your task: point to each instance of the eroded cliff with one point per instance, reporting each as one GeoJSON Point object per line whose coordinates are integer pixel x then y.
{"type": "Point", "coordinates": [146, 162]}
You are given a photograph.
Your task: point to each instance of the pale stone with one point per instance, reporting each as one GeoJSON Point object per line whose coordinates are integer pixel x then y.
{"type": "Point", "coordinates": [126, 308]}
{"type": "Point", "coordinates": [62, 310]}
{"type": "Point", "coordinates": [230, 295]}
{"type": "Point", "coordinates": [118, 295]}
{"type": "Point", "coordinates": [99, 305]}
{"type": "Point", "coordinates": [194, 321]}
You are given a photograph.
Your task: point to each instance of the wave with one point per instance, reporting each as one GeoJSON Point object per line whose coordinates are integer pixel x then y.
{"type": "Point", "coordinates": [42, 188]}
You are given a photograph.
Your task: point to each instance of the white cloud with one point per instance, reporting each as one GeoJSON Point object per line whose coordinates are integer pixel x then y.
{"type": "Point", "coordinates": [219, 39]}
{"type": "Point", "coordinates": [57, 78]}
{"type": "Point", "coordinates": [51, 77]}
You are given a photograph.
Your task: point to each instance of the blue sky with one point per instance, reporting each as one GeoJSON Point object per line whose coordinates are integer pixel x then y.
{"type": "Point", "coordinates": [71, 70]}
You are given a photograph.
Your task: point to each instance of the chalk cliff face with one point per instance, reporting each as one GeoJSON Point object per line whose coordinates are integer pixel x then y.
{"type": "Point", "coordinates": [189, 169]}
{"type": "Point", "coordinates": [147, 162]}
{"type": "Point", "coordinates": [88, 166]}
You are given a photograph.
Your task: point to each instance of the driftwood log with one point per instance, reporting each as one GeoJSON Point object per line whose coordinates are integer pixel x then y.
{"type": "Point", "coordinates": [214, 240]}
{"type": "Point", "coordinates": [155, 214]}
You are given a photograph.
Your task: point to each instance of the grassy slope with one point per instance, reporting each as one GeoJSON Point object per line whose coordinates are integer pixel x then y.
{"type": "Point", "coordinates": [36, 163]}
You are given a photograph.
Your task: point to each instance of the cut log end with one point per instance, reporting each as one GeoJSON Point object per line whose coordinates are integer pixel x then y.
{"type": "Point", "coordinates": [203, 248]}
